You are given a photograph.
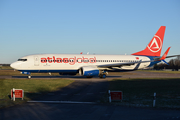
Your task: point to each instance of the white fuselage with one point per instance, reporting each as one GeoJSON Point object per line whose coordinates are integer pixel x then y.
{"type": "Point", "coordinates": [73, 62]}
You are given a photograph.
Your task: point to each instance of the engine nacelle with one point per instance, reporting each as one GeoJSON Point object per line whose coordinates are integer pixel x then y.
{"type": "Point", "coordinates": [27, 73]}
{"type": "Point", "coordinates": [89, 71]}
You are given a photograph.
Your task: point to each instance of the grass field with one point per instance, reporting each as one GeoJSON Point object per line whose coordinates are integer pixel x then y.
{"type": "Point", "coordinates": [139, 92]}
{"type": "Point", "coordinates": [32, 88]}
{"type": "Point", "coordinates": [5, 67]}
{"type": "Point", "coordinates": [136, 92]}
{"type": "Point", "coordinates": [161, 71]}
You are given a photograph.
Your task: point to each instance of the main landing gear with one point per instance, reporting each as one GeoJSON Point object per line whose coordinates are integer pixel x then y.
{"type": "Point", "coordinates": [103, 74]}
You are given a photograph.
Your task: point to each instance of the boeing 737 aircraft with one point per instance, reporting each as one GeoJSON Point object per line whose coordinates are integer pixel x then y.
{"type": "Point", "coordinates": [93, 65]}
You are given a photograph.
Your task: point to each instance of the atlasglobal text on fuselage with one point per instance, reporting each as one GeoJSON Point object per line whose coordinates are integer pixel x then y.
{"type": "Point", "coordinates": [94, 65]}
{"type": "Point", "coordinates": [71, 61]}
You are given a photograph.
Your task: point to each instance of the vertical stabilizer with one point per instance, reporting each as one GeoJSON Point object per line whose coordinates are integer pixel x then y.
{"type": "Point", "coordinates": [155, 45]}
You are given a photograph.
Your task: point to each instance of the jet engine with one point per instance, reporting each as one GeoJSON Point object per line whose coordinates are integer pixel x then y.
{"type": "Point", "coordinates": [89, 71]}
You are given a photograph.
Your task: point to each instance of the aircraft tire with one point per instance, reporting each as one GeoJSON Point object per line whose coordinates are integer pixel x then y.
{"type": "Point", "coordinates": [102, 76]}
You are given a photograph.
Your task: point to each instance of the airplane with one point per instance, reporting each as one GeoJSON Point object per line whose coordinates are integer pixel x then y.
{"type": "Point", "coordinates": [93, 65]}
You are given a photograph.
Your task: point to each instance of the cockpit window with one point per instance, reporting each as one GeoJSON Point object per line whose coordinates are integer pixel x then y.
{"type": "Point", "coordinates": [22, 59]}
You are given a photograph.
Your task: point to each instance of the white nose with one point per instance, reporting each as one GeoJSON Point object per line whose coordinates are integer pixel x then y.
{"type": "Point", "coordinates": [15, 65]}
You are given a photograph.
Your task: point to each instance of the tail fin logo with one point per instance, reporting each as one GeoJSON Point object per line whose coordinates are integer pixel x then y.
{"type": "Point", "coordinates": [155, 45]}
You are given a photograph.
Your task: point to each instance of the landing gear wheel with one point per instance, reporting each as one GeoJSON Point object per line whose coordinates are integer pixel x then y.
{"type": "Point", "coordinates": [102, 76]}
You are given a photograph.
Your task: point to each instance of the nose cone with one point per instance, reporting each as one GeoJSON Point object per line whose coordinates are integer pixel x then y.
{"type": "Point", "coordinates": [14, 65]}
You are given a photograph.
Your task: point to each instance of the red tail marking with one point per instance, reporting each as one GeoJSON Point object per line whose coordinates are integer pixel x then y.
{"type": "Point", "coordinates": [155, 45]}
{"type": "Point", "coordinates": [165, 54]}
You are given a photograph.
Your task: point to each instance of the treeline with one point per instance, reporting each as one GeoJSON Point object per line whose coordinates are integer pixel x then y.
{"type": "Point", "coordinates": [174, 64]}
{"type": "Point", "coordinates": [4, 64]}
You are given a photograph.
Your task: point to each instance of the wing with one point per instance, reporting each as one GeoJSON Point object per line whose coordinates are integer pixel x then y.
{"type": "Point", "coordinates": [123, 64]}
{"type": "Point", "coordinates": [158, 58]}
{"type": "Point", "coordinates": [173, 56]}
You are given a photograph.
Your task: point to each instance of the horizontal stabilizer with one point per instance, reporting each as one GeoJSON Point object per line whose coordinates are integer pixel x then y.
{"type": "Point", "coordinates": [165, 54]}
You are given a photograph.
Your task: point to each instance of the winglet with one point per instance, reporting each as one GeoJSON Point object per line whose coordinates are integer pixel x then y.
{"type": "Point", "coordinates": [165, 54]}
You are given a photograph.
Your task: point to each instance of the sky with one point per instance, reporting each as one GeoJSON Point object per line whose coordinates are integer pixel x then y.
{"type": "Point", "coordinates": [95, 26]}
